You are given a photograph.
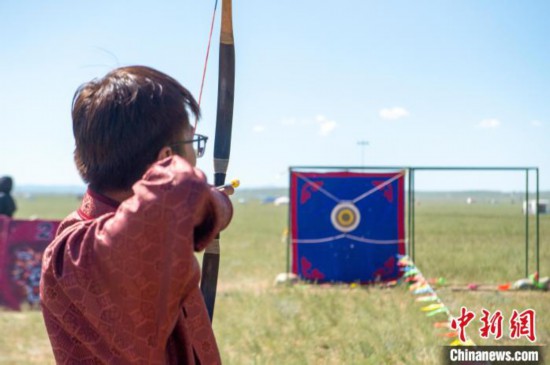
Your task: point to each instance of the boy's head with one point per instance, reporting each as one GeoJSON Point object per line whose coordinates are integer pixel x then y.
{"type": "Point", "coordinates": [122, 121]}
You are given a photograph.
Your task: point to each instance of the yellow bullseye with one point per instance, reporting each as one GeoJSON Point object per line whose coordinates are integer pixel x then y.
{"type": "Point", "coordinates": [345, 217]}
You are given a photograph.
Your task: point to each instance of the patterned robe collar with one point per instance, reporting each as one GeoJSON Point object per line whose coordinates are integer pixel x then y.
{"type": "Point", "coordinates": [95, 205]}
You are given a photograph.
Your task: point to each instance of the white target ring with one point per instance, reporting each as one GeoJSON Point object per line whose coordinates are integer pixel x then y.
{"type": "Point", "coordinates": [345, 217]}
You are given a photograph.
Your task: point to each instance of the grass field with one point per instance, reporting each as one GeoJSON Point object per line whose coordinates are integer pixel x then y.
{"type": "Point", "coordinates": [259, 323]}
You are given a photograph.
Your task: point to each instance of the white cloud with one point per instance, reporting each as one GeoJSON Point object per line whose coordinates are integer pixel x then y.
{"type": "Point", "coordinates": [536, 123]}
{"type": "Point", "coordinates": [393, 113]}
{"type": "Point", "coordinates": [258, 128]}
{"type": "Point", "coordinates": [489, 123]}
{"type": "Point", "coordinates": [326, 126]}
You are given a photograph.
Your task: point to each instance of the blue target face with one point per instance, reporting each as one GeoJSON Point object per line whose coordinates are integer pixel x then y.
{"type": "Point", "coordinates": [345, 226]}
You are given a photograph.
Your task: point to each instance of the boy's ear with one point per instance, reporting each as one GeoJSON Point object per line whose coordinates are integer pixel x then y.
{"type": "Point", "coordinates": [165, 152]}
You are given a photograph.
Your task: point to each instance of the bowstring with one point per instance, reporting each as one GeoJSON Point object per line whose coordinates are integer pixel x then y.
{"type": "Point", "coordinates": [206, 61]}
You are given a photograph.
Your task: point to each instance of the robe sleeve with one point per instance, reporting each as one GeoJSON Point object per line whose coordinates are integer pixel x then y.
{"type": "Point", "coordinates": [172, 213]}
{"type": "Point", "coordinates": [140, 260]}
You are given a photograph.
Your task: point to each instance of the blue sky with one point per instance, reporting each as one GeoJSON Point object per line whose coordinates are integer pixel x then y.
{"type": "Point", "coordinates": [426, 83]}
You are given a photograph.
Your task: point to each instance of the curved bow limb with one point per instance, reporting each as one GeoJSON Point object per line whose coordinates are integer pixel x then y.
{"type": "Point", "coordinates": [222, 147]}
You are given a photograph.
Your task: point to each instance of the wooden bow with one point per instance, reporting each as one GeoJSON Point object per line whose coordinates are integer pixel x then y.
{"type": "Point", "coordinates": [222, 147]}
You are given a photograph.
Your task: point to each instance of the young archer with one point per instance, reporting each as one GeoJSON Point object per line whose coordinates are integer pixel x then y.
{"type": "Point", "coordinates": [120, 280]}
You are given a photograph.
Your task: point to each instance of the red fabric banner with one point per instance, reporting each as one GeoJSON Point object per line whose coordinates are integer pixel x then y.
{"type": "Point", "coordinates": [22, 243]}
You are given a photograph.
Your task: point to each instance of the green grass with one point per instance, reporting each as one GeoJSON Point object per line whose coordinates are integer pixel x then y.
{"type": "Point", "coordinates": [23, 339]}
{"type": "Point", "coordinates": [477, 243]}
{"type": "Point", "coordinates": [257, 322]}
{"type": "Point", "coordinates": [46, 206]}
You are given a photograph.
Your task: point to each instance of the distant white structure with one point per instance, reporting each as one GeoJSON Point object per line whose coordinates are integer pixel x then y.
{"type": "Point", "coordinates": [469, 200]}
{"type": "Point", "coordinates": [281, 200]}
{"type": "Point", "coordinates": [532, 207]}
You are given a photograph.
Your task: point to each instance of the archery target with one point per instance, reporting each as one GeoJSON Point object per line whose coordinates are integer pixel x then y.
{"type": "Point", "coordinates": [345, 217]}
{"type": "Point", "coordinates": [347, 226]}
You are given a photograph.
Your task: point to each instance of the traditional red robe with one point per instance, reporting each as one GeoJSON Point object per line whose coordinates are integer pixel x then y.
{"type": "Point", "coordinates": [120, 282]}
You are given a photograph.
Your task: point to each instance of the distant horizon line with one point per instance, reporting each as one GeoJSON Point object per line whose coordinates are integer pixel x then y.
{"type": "Point", "coordinates": [75, 189]}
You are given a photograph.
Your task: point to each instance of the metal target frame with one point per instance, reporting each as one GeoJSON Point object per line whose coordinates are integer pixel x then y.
{"type": "Point", "coordinates": [410, 172]}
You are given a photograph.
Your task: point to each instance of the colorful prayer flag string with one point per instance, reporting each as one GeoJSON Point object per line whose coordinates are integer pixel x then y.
{"type": "Point", "coordinates": [418, 285]}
